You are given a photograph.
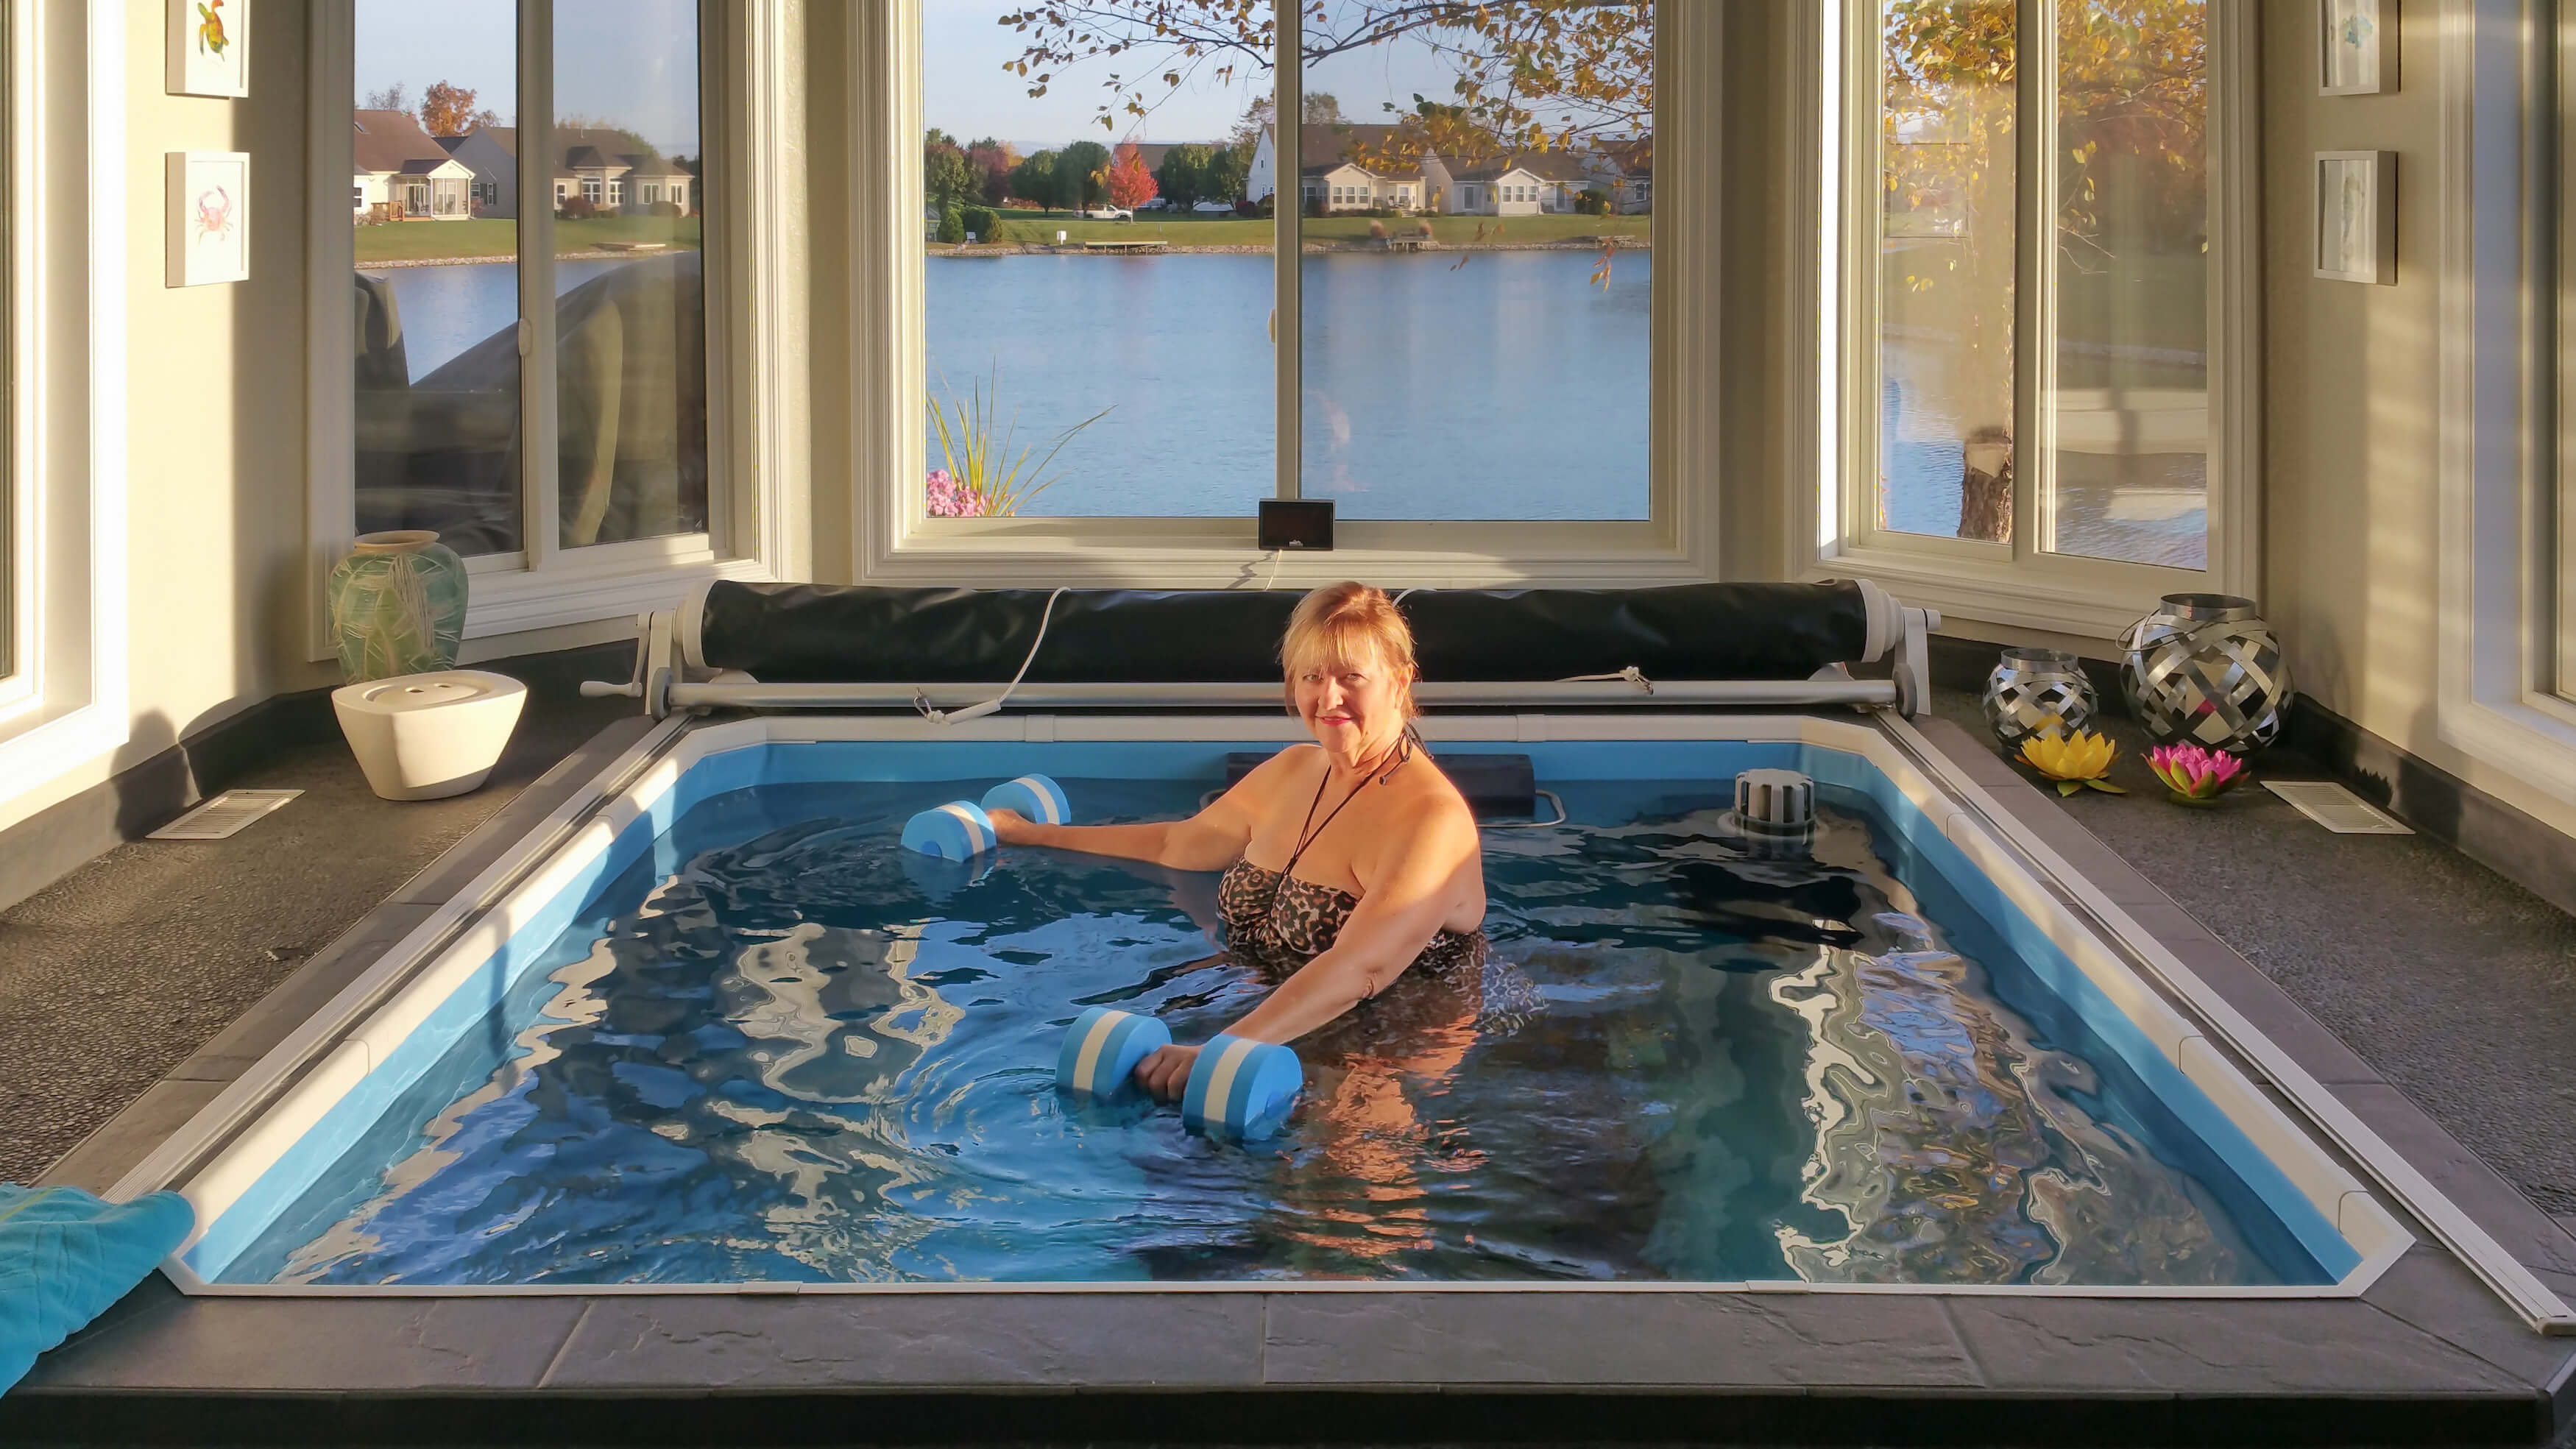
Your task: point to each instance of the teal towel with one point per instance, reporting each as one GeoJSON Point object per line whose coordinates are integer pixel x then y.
{"type": "Point", "coordinates": [66, 1256]}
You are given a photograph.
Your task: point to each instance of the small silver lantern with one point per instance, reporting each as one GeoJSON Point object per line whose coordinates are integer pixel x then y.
{"type": "Point", "coordinates": [2204, 669]}
{"type": "Point", "coordinates": [2038, 691]}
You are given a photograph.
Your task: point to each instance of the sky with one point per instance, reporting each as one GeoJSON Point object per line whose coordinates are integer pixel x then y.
{"type": "Point", "coordinates": [630, 62]}
{"type": "Point", "coordinates": [965, 93]}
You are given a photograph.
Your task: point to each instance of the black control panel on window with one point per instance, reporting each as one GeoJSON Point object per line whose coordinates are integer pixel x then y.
{"type": "Point", "coordinates": [1299, 523]}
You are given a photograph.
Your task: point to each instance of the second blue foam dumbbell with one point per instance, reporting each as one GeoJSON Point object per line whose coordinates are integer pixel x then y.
{"type": "Point", "coordinates": [1031, 797]}
{"type": "Point", "coordinates": [961, 829]}
{"type": "Point", "coordinates": [1241, 1088]}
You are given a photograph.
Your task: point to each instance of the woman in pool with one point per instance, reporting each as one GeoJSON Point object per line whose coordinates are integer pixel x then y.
{"type": "Point", "coordinates": [1351, 859]}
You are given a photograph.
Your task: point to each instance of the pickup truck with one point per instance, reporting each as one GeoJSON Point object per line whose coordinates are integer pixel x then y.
{"type": "Point", "coordinates": [1109, 213]}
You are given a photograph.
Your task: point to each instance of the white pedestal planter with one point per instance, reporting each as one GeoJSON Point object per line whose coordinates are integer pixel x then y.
{"type": "Point", "coordinates": [428, 736]}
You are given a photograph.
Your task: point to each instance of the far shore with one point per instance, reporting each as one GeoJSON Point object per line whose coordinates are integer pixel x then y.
{"type": "Point", "coordinates": [1352, 248]}
{"type": "Point", "coordinates": [368, 265]}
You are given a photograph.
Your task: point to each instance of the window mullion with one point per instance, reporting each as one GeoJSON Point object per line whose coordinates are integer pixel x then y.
{"type": "Point", "coordinates": [1287, 211]}
{"type": "Point", "coordinates": [541, 519]}
{"type": "Point", "coordinates": [2034, 454]}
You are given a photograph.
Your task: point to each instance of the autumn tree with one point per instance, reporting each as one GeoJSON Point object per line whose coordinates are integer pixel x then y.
{"type": "Point", "coordinates": [1130, 185]}
{"type": "Point", "coordinates": [395, 97]}
{"type": "Point", "coordinates": [448, 110]}
{"type": "Point", "coordinates": [991, 162]}
{"type": "Point", "coordinates": [1538, 73]}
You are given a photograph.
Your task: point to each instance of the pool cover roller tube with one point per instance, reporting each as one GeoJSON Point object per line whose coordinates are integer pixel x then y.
{"type": "Point", "coordinates": [962, 829]}
{"type": "Point", "coordinates": [1238, 1088]}
{"type": "Point", "coordinates": [835, 633]}
{"type": "Point", "coordinates": [67, 1256]}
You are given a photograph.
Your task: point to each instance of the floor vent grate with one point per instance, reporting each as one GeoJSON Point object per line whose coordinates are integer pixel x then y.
{"type": "Point", "coordinates": [225, 816]}
{"type": "Point", "coordinates": [2336, 808]}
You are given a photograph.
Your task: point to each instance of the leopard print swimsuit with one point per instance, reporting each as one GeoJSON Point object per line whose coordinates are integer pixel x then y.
{"type": "Point", "coordinates": [1276, 916]}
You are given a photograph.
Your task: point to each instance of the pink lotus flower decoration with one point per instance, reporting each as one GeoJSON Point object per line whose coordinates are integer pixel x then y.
{"type": "Point", "coordinates": [949, 498]}
{"type": "Point", "coordinates": [2194, 774]}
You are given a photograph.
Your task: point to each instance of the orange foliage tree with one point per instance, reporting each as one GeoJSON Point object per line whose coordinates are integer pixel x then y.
{"type": "Point", "coordinates": [448, 110]}
{"type": "Point", "coordinates": [1130, 184]}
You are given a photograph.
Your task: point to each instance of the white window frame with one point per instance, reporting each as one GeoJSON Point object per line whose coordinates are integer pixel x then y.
{"type": "Point", "coordinates": [64, 702]}
{"type": "Point", "coordinates": [2505, 463]}
{"type": "Point", "coordinates": [895, 542]}
{"type": "Point", "coordinates": [752, 58]}
{"type": "Point", "coordinates": [1836, 362]}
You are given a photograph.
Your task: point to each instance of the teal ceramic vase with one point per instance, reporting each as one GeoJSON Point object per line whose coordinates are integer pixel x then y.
{"type": "Point", "coordinates": [397, 605]}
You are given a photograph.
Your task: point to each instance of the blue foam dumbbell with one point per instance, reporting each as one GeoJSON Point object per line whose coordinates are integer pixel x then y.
{"type": "Point", "coordinates": [1102, 1050]}
{"type": "Point", "coordinates": [1031, 797]}
{"type": "Point", "coordinates": [1241, 1089]}
{"type": "Point", "coordinates": [958, 830]}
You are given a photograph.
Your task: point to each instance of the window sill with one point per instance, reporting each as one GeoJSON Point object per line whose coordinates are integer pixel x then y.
{"type": "Point", "coordinates": [515, 603]}
{"type": "Point", "coordinates": [2020, 595]}
{"type": "Point", "coordinates": [1218, 553]}
{"type": "Point", "coordinates": [2533, 739]}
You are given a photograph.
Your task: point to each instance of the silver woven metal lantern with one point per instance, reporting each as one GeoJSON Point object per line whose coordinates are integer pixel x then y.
{"type": "Point", "coordinates": [2204, 669]}
{"type": "Point", "coordinates": [2038, 691]}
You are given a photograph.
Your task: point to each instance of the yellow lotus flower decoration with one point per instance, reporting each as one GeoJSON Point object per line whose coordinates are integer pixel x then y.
{"type": "Point", "coordinates": [2073, 761]}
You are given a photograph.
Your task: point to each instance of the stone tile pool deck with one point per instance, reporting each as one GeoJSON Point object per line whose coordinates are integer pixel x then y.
{"type": "Point", "coordinates": [2427, 1355]}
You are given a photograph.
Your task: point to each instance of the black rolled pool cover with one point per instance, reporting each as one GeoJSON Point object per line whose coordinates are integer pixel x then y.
{"type": "Point", "coordinates": [828, 633]}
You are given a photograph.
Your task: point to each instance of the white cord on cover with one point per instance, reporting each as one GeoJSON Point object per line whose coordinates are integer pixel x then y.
{"type": "Point", "coordinates": [1274, 569]}
{"type": "Point", "coordinates": [1632, 674]}
{"type": "Point", "coordinates": [921, 701]}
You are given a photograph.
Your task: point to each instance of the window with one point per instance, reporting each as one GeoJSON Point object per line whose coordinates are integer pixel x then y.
{"type": "Point", "coordinates": [63, 529]}
{"type": "Point", "coordinates": [2505, 607]}
{"type": "Point", "coordinates": [1536, 370]}
{"type": "Point", "coordinates": [2030, 430]}
{"type": "Point", "coordinates": [565, 421]}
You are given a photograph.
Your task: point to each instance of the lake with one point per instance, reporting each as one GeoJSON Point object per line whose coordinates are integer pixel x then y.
{"type": "Point", "coordinates": [1458, 385]}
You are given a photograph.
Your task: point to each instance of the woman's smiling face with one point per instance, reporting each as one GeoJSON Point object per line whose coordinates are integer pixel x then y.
{"type": "Point", "coordinates": [1351, 706]}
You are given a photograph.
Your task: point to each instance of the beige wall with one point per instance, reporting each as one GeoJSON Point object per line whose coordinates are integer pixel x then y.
{"type": "Point", "coordinates": [215, 482]}
{"type": "Point", "coordinates": [2350, 377]}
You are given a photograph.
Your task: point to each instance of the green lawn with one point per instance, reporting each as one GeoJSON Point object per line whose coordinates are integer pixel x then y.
{"type": "Point", "coordinates": [416, 241]}
{"type": "Point", "coordinates": [1024, 226]}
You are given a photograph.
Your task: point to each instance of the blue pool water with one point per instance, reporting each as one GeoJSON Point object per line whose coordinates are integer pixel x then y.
{"type": "Point", "coordinates": [774, 1047]}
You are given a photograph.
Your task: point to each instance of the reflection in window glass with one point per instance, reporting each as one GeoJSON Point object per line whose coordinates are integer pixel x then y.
{"type": "Point", "coordinates": [437, 299]}
{"type": "Point", "coordinates": [2132, 454]}
{"type": "Point", "coordinates": [1477, 329]}
{"type": "Point", "coordinates": [1097, 301]}
{"type": "Point", "coordinates": [1946, 256]}
{"type": "Point", "coordinates": [630, 311]}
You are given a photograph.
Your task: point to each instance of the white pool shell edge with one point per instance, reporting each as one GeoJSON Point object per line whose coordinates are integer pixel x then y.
{"type": "Point", "coordinates": [437, 955]}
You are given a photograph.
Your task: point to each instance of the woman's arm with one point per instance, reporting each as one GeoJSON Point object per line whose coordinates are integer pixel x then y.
{"type": "Point", "coordinates": [1210, 840]}
{"type": "Point", "coordinates": [1404, 904]}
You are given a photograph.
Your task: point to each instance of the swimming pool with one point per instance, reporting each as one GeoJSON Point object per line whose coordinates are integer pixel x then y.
{"type": "Point", "coordinates": [707, 1033]}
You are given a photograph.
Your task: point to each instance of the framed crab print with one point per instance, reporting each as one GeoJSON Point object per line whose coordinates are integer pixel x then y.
{"type": "Point", "coordinates": [209, 217]}
{"type": "Point", "coordinates": [209, 47]}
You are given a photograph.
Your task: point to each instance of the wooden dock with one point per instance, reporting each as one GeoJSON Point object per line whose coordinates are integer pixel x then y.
{"type": "Point", "coordinates": [1123, 248]}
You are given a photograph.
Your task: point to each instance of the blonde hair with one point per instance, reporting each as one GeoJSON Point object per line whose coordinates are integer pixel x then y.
{"type": "Point", "coordinates": [1345, 622]}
